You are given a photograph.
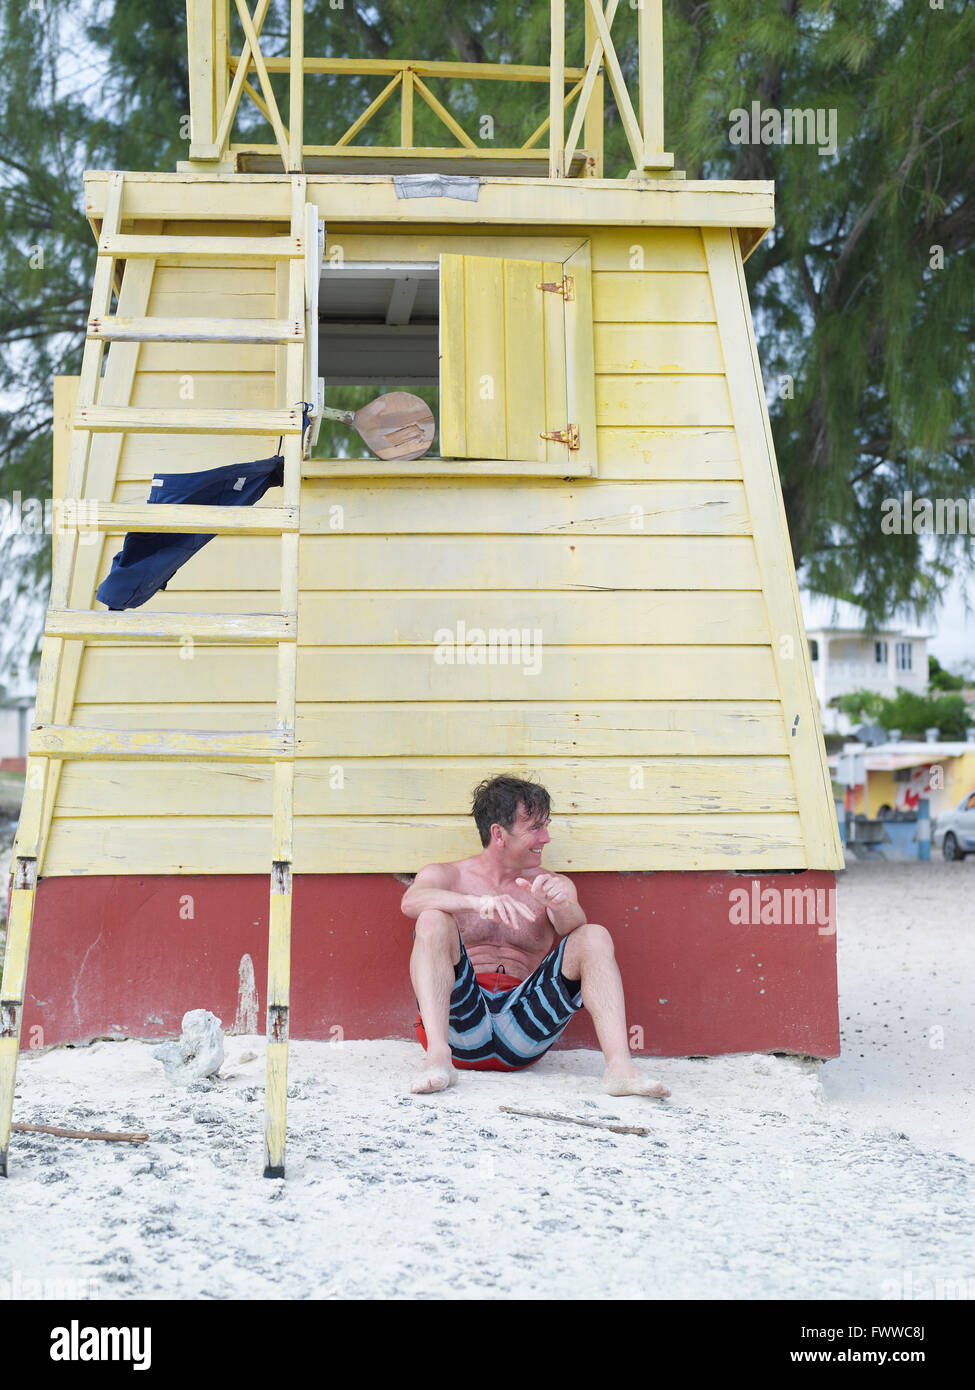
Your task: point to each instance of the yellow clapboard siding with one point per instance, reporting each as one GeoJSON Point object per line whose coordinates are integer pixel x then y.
{"type": "Point", "coordinates": [369, 673]}
{"type": "Point", "coordinates": [189, 303]}
{"type": "Point", "coordinates": [204, 390]}
{"type": "Point", "coordinates": [388, 508]}
{"type": "Point", "coordinates": [625, 453]}
{"type": "Point", "coordinates": [209, 358]}
{"type": "Point", "coordinates": [662, 400]}
{"type": "Point", "coordinates": [408, 786]}
{"type": "Point", "coordinates": [335, 844]}
{"type": "Point", "coordinates": [244, 283]}
{"type": "Point", "coordinates": [634, 729]}
{"type": "Point", "coordinates": [55, 741]}
{"type": "Point", "coordinates": [636, 452]}
{"type": "Point", "coordinates": [657, 347]}
{"type": "Point", "coordinates": [774, 553]}
{"type": "Point", "coordinates": [142, 457]}
{"type": "Point", "coordinates": [648, 248]}
{"type": "Point", "coordinates": [184, 519]}
{"type": "Point", "coordinates": [656, 655]}
{"type": "Point", "coordinates": [633, 561]}
{"type": "Point", "coordinates": [620, 617]}
{"type": "Point", "coordinates": [539, 508]}
{"type": "Point", "coordinates": [594, 619]}
{"type": "Point", "coordinates": [651, 297]}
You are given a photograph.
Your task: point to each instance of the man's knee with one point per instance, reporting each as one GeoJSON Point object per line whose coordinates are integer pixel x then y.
{"type": "Point", "coordinates": [589, 940]}
{"type": "Point", "coordinates": [436, 928]}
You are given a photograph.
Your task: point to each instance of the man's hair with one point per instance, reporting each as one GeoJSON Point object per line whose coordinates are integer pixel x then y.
{"type": "Point", "coordinates": [496, 802]}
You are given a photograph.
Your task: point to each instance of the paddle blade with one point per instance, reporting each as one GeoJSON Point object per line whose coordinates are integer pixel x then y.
{"type": "Point", "coordinates": [396, 425]}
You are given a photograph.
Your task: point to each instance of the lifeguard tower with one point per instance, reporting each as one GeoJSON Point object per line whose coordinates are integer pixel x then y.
{"type": "Point", "coordinates": [588, 578]}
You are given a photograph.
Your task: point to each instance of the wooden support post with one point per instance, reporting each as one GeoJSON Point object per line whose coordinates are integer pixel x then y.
{"type": "Point", "coordinates": [593, 136]}
{"type": "Point", "coordinates": [592, 88]}
{"type": "Point", "coordinates": [296, 115]}
{"type": "Point", "coordinates": [651, 37]}
{"type": "Point", "coordinates": [221, 56]}
{"type": "Point", "coordinates": [556, 93]}
{"type": "Point", "coordinates": [406, 111]}
{"type": "Point", "coordinates": [200, 19]}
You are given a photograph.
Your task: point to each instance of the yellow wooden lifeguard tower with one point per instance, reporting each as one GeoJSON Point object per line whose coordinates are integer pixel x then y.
{"type": "Point", "coordinates": [605, 482]}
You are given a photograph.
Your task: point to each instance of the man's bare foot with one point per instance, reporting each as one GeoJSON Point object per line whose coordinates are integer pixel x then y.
{"type": "Point", "coordinates": [437, 1074]}
{"type": "Point", "coordinates": [630, 1083]}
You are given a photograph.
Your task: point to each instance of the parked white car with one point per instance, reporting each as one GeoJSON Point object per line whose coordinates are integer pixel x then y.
{"type": "Point", "coordinates": [953, 832]}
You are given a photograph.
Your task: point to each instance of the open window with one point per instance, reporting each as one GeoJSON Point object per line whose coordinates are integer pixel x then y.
{"type": "Point", "coordinates": [500, 348]}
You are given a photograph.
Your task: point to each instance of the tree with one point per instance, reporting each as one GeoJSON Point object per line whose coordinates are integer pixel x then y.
{"type": "Point", "coordinates": [940, 679]}
{"type": "Point", "coordinates": [909, 712]}
{"type": "Point", "coordinates": [863, 294]}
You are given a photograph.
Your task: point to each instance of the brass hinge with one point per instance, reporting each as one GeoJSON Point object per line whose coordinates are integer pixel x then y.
{"type": "Point", "coordinates": [570, 436]}
{"type": "Point", "coordinates": [565, 287]}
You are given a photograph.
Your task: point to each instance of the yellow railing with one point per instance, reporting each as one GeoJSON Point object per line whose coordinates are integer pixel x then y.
{"type": "Point", "coordinates": [220, 79]}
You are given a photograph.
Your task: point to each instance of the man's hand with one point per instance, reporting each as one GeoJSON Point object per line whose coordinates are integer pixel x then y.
{"type": "Point", "coordinates": [558, 894]}
{"type": "Point", "coordinates": [503, 908]}
{"type": "Point", "coordinates": [547, 888]}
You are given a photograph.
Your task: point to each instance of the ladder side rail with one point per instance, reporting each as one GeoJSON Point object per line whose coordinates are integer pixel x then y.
{"type": "Point", "coordinates": [279, 924]}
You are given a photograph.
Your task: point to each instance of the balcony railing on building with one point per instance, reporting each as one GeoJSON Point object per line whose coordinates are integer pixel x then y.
{"type": "Point", "coordinates": [219, 80]}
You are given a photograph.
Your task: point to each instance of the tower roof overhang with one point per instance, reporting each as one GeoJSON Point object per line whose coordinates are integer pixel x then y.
{"type": "Point", "coordinates": [364, 199]}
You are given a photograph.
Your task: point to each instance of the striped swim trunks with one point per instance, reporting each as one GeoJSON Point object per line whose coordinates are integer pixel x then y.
{"type": "Point", "coordinates": [508, 1029]}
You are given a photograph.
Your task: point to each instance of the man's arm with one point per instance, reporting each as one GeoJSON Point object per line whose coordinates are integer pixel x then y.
{"type": "Point", "coordinates": [431, 888]}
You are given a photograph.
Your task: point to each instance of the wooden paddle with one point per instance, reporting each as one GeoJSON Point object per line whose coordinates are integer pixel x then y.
{"type": "Point", "coordinates": [394, 426]}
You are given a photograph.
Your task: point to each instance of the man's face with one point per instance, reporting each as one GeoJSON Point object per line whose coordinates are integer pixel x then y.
{"type": "Point", "coordinates": [527, 838]}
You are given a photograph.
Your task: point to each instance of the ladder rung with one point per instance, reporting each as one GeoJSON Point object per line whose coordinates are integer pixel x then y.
{"type": "Point", "coordinates": [195, 248]}
{"type": "Point", "coordinates": [175, 518]}
{"type": "Point", "coordinates": [74, 741]}
{"type": "Point", "coordinates": [119, 329]}
{"type": "Point", "coordinates": [149, 627]}
{"type": "Point", "coordinates": [135, 420]}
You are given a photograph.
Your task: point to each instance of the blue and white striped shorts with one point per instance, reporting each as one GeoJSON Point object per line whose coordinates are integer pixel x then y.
{"type": "Point", "coordinates": [514, 1027]}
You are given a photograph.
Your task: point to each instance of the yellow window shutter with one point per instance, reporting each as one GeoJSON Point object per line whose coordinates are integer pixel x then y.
{"type": "Point", "coordinates": [516, 360]}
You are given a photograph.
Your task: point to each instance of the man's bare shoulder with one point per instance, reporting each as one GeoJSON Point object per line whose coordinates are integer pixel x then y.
{"type": "Point", "coordinates": [446, 875]}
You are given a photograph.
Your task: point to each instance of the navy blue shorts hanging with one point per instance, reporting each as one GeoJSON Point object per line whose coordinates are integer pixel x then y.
{"type": "Point", "coordinates": [148, 560]}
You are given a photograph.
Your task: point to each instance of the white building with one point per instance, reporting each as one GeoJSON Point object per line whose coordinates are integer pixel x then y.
{"type": "Point", "coordinates": [846, 657]}
{"type": "Point", "coordinates": [17, 696]}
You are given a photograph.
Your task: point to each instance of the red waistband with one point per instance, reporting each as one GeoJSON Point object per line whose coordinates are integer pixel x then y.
{"type": "Point", "coordinates": [496, 981]}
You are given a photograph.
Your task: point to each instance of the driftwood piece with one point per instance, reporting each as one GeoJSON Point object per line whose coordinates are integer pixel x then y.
{"type": "Point", "coordinates": [574, 1120]}
{"type": "Point", "coordinates": [136, 1138]}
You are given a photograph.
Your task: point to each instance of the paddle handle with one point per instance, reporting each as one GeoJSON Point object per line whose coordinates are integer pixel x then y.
{"type": "Point", "coordinates": [330, 413]}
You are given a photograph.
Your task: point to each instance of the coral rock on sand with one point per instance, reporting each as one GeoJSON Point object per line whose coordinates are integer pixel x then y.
{"type": "Point", "coordinates": [197, 1053]}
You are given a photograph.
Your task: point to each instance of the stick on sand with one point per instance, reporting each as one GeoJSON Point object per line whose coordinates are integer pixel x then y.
{"type": "Point", "coordinates": [574, 1120]}
{"type": "Point", "coordinates": [138, 1138]}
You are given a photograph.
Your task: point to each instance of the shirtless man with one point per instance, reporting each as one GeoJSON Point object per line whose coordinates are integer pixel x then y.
{"type": "Point", "coordinates": [500, 914]}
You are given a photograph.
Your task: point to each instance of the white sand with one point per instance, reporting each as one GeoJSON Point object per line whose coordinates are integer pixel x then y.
{"type": "Point", "coordinates": [766, 1177]}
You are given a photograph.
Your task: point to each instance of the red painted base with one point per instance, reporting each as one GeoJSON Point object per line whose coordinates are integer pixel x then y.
{"type": "Point", "coordinates": [711, 962]}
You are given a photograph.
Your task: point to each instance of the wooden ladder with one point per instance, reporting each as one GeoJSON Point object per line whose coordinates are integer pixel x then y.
{"type": "Point", "coordinates": [50, 742]}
